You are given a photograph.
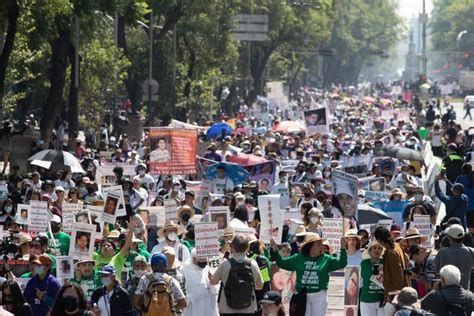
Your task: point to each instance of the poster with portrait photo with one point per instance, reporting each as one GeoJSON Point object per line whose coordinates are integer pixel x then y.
{"type": "Point", "coordinates": [82, 217]}
{"type": "Point", "coordinates": [81, 246]}
{"type": "Point", "coordinates": [118, 190]}
{"type": "Point", "coordinates": [272, 218]}
{"type": "Point", "coordinates": [95, 214]}
{"type": "Point", "coordinates": [111, 206]}
{"type": "Point", "coordinates": [161, 149]}
{"type": "Point", "coordinates": [351, 285]}
{"type": "Point", "coordinates": [345, 194]}
{"type": "Point", "coordinates": [64, 267]}
{"type": "Point", "coordinates": [219, 215]}
{"type": "Point", "coordinates": [316, 121]}
{"type": "Point", "coordinates": [263, 174]}
{"type": "Point", "coordinates": [153, 216]}
{"type": "Point", "coordinates": [22, 211]}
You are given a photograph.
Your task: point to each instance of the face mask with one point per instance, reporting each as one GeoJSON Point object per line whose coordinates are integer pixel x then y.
{"type": "Point", "coordinates": [39, 270]}
{"type": "Point", "coordinates": [327, 174]}
{"type": "Point", "coordinates": [202, 265]}
{"type": "Point", "coordinates": [106, 281]}
{"type": "Point", "coordinates": [141, 172]}
{"type": "Point", "coordinates": [55, 228]}
{"type": "Point", "coordinates": [307, 195]}
{"type": "Point", "coordinates": [221, 243]}
{"type": "Point", "coordinates": [70, 303]}
{"type": "Point", "coordinates": [8, 209]}
{"type": "Point", "coordinates": [284, 179]}
{"type": "Point", "coordinates": [313, 220]}
{"type": "Point", "coordinates": [140, 273]}
{"type": "Point", "coordinates": [172, 236]}
{"type": "Point", "coordinates": [185, 217]}
{"type": "Point", "coordinates": [418, 197]}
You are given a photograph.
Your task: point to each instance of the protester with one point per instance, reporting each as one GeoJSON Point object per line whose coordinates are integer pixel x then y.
{"type": "Point", "coordinates": [271, 304]}
{"type": "Point", "coordinates": [169, 233]}
{"type": "Point", "coordinates": [456, 203]}
{"type": "Point", "coordinates": [70, 301]}
{"type": "Point", "coordinates": [13, 300]}
{"type": "Point", "coordinates": [371, 271]}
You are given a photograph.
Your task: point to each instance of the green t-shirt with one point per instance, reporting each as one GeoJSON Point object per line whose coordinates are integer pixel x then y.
{"type": "Point", "coordinates": [312, 273]}
{"type": "Point", "coordinates": [189, 244]}
{"type": "Point", "coordinates": [62, 241]}
{"type": "Point", "coordinates": [116, 261]}
{"type": "Point", "coordinates": [370, 292]}
{"type": "Point", "coordinates": [89, 285]}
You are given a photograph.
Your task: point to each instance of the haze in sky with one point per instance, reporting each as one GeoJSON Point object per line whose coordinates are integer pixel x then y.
{"type": "Point", "coordinates": [411, 8]}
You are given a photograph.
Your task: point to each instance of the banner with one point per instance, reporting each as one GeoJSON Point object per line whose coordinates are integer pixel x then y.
{"type": "Point", "coordinates": [344, 187]}
{"type": "Point", "coordinates": [104, 175]}
{"type": "Point", "coordinates": [69, 212]}
{"type": "Point", "coordinates": [316, 121]}
{"type": "Point", "coordinates": [358, 165]}
{"type": "Point", "coordinates": [333, 230]}
{"type": "Point", "coordinates": [221, 216]}
{"type": "Point", "coordinates": [423, 224]}
{"type": "Point", "coordinates": [173, 151]}
{"type": "Point", "coordinates": [206, 236]}
{"type": "Point", "coordinates": [272, 217]}
{"type": "Point", "coordinates": [351, 285]}
{"type": "Point", "coordinates": [64, 267]}
{"type": "Point", "coordinates": [263, 174]}
{"type": "Point", "coordinates": [377, 195]}
{"type": "Point", "coordinates": [82, 241]}
{"type": "Point", "coordinates": [22, 211]}
{"type": "Point", "coordinates": [39, 217]}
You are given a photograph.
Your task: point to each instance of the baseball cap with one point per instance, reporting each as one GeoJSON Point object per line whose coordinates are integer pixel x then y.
{"type": "Point", "coordinates": [159, 259]}
{"type": "Point", "coordinates": [56, 219]}
{"type": "Point", "coordinates": [455, 231]}
{"type": "Point", "coordinates": [139, 258]}
{"type": "Point", "coordinates": [108, 269]}
{"type": "Point", "coordinates": [43, 260]}
{"type": "Point", "coordinates": [271, 297]}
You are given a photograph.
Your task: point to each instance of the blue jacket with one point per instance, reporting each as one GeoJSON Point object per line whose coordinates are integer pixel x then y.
{"type": "Point", "coordinates": [468, 189]}
{"type": "Point", "coordinates": [456, 206]}
{"type": "Point", "coordinates": [49, 286]}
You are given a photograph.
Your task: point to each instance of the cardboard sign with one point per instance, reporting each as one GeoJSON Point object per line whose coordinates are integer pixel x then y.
{"type": "Point", "coordinates": [117, 190]}
{"type": "Point", "coordinates": [333, 230]}
{"type": "Point", "coordinates": [39, 217]}
{"type": "Point", "coordinates": [112, 204]}
{"type": "Point", "coordinates": [171, 209]}
{"type": "Point", "coordinates": [82, 241]}
{"type": "Point", "coordinates": [206, 237]}
{"type": "Point", "coordinates": [22, 214]}
{"type": "Point", "coordinates": [423, 224]}
{"type": "Point", "coordinates": [272, 217]}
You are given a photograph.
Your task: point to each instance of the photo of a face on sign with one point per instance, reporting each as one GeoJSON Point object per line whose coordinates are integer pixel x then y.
{"type": "Point", "coordinates": [161, 151]}
{"type": "Point", "coordinates": [345, 198]}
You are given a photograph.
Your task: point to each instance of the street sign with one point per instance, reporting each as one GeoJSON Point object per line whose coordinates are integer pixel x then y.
{"type": "Point", "coordinates": [251, 27]}
{"type": "Point", "coordinates": [153, 86]}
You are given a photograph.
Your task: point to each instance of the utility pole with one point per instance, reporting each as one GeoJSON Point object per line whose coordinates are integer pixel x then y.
{"type": "Point", "coordinates": [424, 21]}
{"type": "Point", "coordinates": [150, 63]}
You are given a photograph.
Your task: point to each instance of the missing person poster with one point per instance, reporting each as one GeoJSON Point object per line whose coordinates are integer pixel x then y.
{"type": "Point", "coordinates": [173, 151]}
{"type": "Point", "coordinates": [263, 174]}
{"type": "Point", "coordinates": [118, 190]}
{"type": "Point", "coordinates": [105, 177]}
{"type": "Point", "coordinates": [272, 218]}
{"type": "Point", "coordinates": [336, 294]}
{"type": "Point", "coordinates": [423, 224]}
{"type": "Point", "coordinates": [112, 203]}
{"type": "Point", "coordinates": [64, 267]}
{"type": "Point", "coordinates": [153, 216]}
{"type": "Point", "coordinates": [171, 209]}
{"type": "Point", "coordinates": [82, 241]}
{"type": "Point", "coordinates": [333, 230]}
{"type": "Point", "coordinates": [206, 236]}
{"type": "Point", "coordinates": [345, 192]}
{"type": "Point", "coordinates": [39, 217]}
{"type": "Point", "coordinates": [316, 121]}
{"type": "Point", "coordinates": [22, 212]}
{"type": "Point", "coordinates": [219, 215]}
{"type": "Point", "coordinates": [358, 165]}
{"type": "Point", "coordinates": [351, 285]}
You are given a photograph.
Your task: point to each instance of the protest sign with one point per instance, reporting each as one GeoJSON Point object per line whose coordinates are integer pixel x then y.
{"type": "Point", "coordinates": [345, 190]}
{"type": "Point", "coordinates": [3, 192]}
{"type": "Point", "coordinates": [22, 282]}
{"type": "Point", "coordinates": [333, 230]}
{"type": "Point", "coordinates": [289, 165]}
{"type": "Point", "coordinates": [375, 184]}
{"type": "Point", "coordinates": [363, 183]}
{"type": "Point", "coordinates": [220, 215]}
{"type": "Point", "coordinates": [69, 212]}
{"type": "Point", "coordinates": [377, 195]}
{"type": "Point", "coordinates": [394, 209]}
{"type": "Point", "coordinates": [316, 121]}
{"type": "Point", "coordinates": [387, 223]}
{"type": "Point", "coordinates": [283, 281]}
{"type": "Point", "coordinates": [358, 165]}
{"type": "Point", "coordinates": [244, 231]}
{"type": "Point", "coordinates": [335, 294]}
{"type": "Point", "coordinates": [104, 175]}
{"type": "Point", "coordinates": [82, 216]}
{"type": "Point", "coordinates": [272, 217]}
{"type": "Point", "coordinates": [423, 224]}
{"type": "Point", "coordinates": [206, 236]}
{"type": "Point", "coordinates": [64, 267]}
{"type": "Point", "coordinates": [173, 151]}
{"type": "Point", "coordinates": [22, 211]}
{"type": "Point", "coordinates": [112, 203]}
{"type": "Point", "coordinates": [351, 285]}
{"type": "Point", "coordinates": [263, 174]}
{"type": "Point", "coordinates": [38, 217]}
{"type": "Point", "coordinates": [171, 209]}
{"type": "Point", "coordinates": [82, 241]}
{"type": "Point", "coordinates": [153, 216]}
{"type": "Point", "coordinates": [95, 215]}
{"type": "Point", "coordinates": [117, 190]}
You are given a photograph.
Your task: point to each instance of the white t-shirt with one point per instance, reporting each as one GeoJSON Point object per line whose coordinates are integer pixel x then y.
{"type": "Point", "coordinates": [104, 304]}
{"type": "Point", "coordinates": [219, 186]}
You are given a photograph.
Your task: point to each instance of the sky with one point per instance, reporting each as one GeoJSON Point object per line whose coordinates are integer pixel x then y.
{"type": "Point", "coordinates": [411, 8]}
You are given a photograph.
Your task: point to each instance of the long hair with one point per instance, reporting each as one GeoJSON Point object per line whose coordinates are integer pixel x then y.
{"type": "Point", "coordinates": [17, 297]}
{"type": "Point", "coordinates": [58, 307]}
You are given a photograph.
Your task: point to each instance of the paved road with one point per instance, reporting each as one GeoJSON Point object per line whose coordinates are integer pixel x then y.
{"type": "Point", "coordinates": [465, 123]}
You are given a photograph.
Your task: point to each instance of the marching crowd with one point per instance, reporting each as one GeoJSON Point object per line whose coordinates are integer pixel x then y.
{"type": "Point", "coordinates": [138, 268]}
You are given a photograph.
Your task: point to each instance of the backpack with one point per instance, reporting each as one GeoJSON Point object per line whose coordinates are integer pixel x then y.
{"type": "Point", "coordinates": [239, 287]}
{"type": "Point", "coordinates": [454, 309]}
{"type": "Point", "coordinates": [157, 299]}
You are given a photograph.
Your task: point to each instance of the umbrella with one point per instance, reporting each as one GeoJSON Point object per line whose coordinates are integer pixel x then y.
{"type": "Point", "coordinates": [425, 86]}
{"type": "Point", "coordinates": [56, 160]}
{"type": "Point", "coordinates": [368, 100]}
{"type": "Point", "coordinates": [216, 130]}
{"type": "Point", "coordinates": [370, 215]}
{"type": "Point", "coordinates": [289, 127]}
{"type": "Point", "coordinates": [404, 153]}
{"type": "Point", "coordinates": [246, 159]}
{"type": "Point", "coordinates": [236, 173]}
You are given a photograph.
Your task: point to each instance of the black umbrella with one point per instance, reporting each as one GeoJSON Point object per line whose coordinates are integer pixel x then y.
{"type": "Point", "coordinates": [56, 160]}
{"type": "Point", "coordinates": [404, 153]}
{"type": "Point", "coordinates": [370, 215]}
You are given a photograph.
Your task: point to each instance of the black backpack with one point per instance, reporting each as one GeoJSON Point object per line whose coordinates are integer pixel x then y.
{"type": "Point", "coordinates": [455, 309]}
{"type": "Point", "coordinates": [239, 287]}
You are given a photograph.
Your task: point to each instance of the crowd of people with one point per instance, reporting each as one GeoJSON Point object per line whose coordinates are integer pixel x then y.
{"type": "Point", "coordinates": [138, 267]}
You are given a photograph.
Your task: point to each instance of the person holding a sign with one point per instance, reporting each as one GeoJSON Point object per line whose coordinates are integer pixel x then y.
{"type": "Point", "coordinates": [312, 268]}
{"type": "Point", "coordinates": [371, 270]}
{"type": "Point", "coordinates": [169, 236]}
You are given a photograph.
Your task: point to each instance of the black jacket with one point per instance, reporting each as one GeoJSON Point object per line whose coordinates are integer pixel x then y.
{"type": "Point", "coordinates": [120, 302]}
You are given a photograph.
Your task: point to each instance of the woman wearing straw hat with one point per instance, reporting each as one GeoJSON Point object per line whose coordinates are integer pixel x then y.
{"type": "Point", "coordinates": [312, 268]}
{"type": "Point", "coordinates": [371, 270]}
{"type": "Point", "coordinates": [413, 237]}
{"type": "Point", "coordinates": [354, 255]}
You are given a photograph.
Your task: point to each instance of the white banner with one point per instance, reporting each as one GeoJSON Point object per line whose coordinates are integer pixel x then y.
{"type": "Point", "coordinates": [104, 175]}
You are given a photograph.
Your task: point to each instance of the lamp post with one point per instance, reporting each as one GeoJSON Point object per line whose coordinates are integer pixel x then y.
{"type": "Point", "coordinates": [458, 40]}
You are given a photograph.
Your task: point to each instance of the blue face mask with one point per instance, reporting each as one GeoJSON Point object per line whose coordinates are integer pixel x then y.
{"type": "Point", "coordinates": [39, 270]}
{"type": "Point", "coordinates": [106, 281]}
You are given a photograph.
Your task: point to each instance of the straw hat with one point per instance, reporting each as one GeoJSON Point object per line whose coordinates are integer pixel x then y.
{"type": "Point", "coordinates": [352, 233]}
{"type": "Point", "coordinates": [397, 191]}
{"type": "Point", "coordinates": [312, 237]}
{"type": "Point", "coordinates": [300, 231]}
{"type": "Point", "coordinates": [185, 209]}
{"type": "Point", "coordinates": [331, 248]}
{"type": "Point", "coordinates": [366, 254]}
{"type": "Point", "coordinates": [413, 233]}
{"type": "Point", "coordinates": [228, 232]}
{"type": "Point", "coordinates": [170, 225]}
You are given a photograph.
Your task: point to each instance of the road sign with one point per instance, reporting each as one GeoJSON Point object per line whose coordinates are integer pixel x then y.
{"type": "Point", "coordinates": [251, 27]}
{"type": "Point", "coordinates": [153, 86]}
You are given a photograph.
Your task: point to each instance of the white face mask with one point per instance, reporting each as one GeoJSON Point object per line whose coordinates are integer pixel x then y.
{"type": "Point", "coordinates": [141, 172]}
{"type": "Point", "coordinates": [8, 209]}
{"type": "Point", "coordinates": [327, 174]}
{"type": "Point", "coordinates": [140, 273]}
{"type": "Point", "coordinates": [172, 236]}
{"type": "Point", "coordinates": [313, 220]}
{"type": "Point", "coordinates": [284, 179]}
{"type": "Point", "coordinates": [418, 197]}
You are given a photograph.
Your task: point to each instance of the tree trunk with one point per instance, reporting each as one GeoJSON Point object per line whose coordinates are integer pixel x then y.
{"type": "Point", "coordinates": [13, 11]}
{"type": "Point", "coordinates": [191, 67]}
{"type": "Point", "coordinates": [73, 105]}
{"type": "Point", "coordinates": [59, 56]}
{"type": "Point", "coordinates": [257, 70]}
